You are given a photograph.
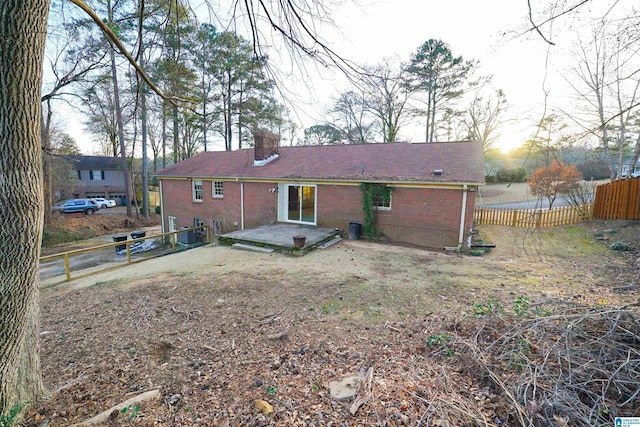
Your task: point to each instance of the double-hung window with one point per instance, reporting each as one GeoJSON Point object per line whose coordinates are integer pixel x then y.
{"type": "Point", "coordinates": [382, 202]}
{"type": "Point", "coordinates": [196, 190]}
{"type": "Point", "coordinates": [218, 190]}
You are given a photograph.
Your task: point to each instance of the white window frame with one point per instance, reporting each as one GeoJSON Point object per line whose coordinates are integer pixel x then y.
{"type": "Point", "coordinates": [217, 189]}
{"type": "Point", "coordinates": [382, 207]}
{"type": "Point", "coordinates": [195, 192]}
{"type": "Point", "coordinates": [315, 204]}
{"type": "Point", "coordinates": [173, 225]}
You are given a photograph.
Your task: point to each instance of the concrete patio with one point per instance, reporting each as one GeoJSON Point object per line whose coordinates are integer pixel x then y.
{"type": "Point", "coordinates": [280, 237]}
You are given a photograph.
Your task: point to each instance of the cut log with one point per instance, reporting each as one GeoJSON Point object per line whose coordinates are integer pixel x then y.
{"type": "Point", "coordinates": [103, 417]}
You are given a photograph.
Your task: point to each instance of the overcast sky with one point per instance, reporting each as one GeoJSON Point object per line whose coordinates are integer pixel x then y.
{"type": "Point", "coordinates": [490, 31]}
{"type": "Point", "coordinates": [487, 31]}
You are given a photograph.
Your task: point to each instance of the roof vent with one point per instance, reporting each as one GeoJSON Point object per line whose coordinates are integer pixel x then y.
{"type": "Point", "coordinates": [438, 172]}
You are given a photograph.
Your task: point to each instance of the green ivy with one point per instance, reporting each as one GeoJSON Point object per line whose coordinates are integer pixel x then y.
{"type": "Point", "coordinates": [371, 191]}
{"type": "Point", "coordinates": [11, 416]}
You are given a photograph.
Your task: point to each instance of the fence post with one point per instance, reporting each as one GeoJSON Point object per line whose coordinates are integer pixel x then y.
{"type": "Point", "coordinates": [67, 269]}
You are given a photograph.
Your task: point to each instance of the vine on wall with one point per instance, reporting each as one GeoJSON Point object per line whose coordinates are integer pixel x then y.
{"type": "Point", "coordinates": [370, 192]}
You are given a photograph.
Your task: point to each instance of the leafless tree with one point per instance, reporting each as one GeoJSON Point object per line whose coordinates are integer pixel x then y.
{"type": "Point", "coordinates": [23, 28]}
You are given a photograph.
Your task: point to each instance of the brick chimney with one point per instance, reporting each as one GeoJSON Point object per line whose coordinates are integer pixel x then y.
{"type": "Point", "coordinates": [265, 145]}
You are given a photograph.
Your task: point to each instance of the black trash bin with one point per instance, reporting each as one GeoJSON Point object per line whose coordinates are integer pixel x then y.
{"type": "Point", "coordinates": [138, 234]}
{"type": "Point", "coordinates": [355, 230]}
{"type": "Point", "coordinates": [120, 238]}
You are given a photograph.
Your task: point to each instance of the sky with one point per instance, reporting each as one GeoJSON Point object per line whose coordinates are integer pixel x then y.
{"type": "Point", "coordinates": [478, 30]}
{"type": "Point", "coordinates": [489, 31]}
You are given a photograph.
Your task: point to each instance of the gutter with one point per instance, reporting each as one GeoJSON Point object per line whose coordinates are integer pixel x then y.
{"type": "Point", "coordinates": [463, 214]}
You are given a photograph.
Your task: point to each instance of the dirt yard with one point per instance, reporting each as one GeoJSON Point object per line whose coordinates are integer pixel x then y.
{"type": "Point", "coordinates": [232, 338]}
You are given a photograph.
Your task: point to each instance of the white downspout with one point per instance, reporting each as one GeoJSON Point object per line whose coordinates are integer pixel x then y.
{"type": "Point", "coordinates": [162, 209]}
{"type": "Point", "coordinates": [242, 206]}
{"type": "Point", "coordinates": [463, 214]}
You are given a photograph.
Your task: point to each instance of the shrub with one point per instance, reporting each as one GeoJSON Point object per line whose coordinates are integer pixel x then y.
{"type": "Point", "coordinates": [490, 178]}
{"type": "Point", "coordinates": [620, 246]}
{"type": "Point", "coordinates": [158, 210]}
{"type": "Point", "coordinates": [511, 175]}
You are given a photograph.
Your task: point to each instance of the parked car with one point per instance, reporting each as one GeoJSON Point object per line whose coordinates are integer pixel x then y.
{"type": "Point", "coordinates": [88, 206]}
{"type": "Point", "coordinates": [104, 203]}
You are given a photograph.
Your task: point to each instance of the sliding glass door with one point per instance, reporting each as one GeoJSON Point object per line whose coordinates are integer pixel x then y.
{"type": "Point", "coordinates": [301, 203]}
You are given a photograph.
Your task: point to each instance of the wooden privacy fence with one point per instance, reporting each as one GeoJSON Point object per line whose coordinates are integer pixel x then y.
{"type": "Point", "coordinates": [535, 218]}
{"type": "Point", "coordinates": [618, 200]}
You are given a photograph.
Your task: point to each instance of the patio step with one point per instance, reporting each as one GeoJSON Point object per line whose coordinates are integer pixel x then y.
{"type": "Point", "coordinates": [330, 243]}
{"type": "Point", "coordinates": [246, 247]}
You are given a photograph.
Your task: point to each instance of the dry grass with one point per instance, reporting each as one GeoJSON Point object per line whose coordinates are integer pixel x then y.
{"type": "Point", "coordinates": [508, 192]}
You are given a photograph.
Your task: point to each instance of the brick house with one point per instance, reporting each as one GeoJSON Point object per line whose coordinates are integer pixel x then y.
{"type": "Point", "coordinates": [432, 203]}
{"type": "Point", "coordinates": [95, 176]}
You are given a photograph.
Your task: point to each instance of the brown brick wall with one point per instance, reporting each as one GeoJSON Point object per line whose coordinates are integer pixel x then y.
{"type": "Point", "coordinates": [260, 204]}
{"type": "Point", "coordinates": [177, 202]}
{"type": "Point", "coordinates": [422, 216]}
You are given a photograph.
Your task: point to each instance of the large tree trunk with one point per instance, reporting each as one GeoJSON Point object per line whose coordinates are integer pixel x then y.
{"type": "Point", "coordinates": [23, 27]}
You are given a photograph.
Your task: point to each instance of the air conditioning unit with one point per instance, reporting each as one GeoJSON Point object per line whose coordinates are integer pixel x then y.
{"type": "Point", "coordinates": [186, 237]}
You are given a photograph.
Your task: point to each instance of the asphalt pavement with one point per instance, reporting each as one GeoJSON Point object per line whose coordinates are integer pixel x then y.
{"type": "Point", "coordinates": [528, 204]}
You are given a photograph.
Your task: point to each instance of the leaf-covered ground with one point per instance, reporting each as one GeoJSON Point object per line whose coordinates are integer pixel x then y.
{"type": "Point", "coordinates": [217, 330]}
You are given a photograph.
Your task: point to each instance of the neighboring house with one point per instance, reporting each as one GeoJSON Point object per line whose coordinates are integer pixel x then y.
{"type": "Point", "coordinates": [627, 170]}
{"type": "Point", "coordinates": [431, 204]}
{"type": "Point", "coordinates": [96, 176]}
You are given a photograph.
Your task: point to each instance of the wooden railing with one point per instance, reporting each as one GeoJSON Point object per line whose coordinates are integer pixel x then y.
{"type": "Point", "coordinates": [58, 268]}
{"type": "Point", "coordinates": [534, 218]}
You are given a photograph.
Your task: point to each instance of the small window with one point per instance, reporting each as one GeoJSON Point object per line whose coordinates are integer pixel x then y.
{"type": "Point", "coordinates": [196, 190]}
{"type": "Point", "coordinates": [218, 189]}
{"type": "Point", "coordinates": [96, 175]}
{"type": "Point", "coordinates": [79, 175]}
{"type": "Point", "coordinates": [382, 202]}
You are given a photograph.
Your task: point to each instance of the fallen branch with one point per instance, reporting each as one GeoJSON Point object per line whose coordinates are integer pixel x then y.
{"type": "Point", "coordinates": [186, 313]}
{"type": "Point", "coordinates": [364, 391]}
{"type": "Point", "coordinates": [270, 318]}
{"type": "Point", "coordinates": [388, 326]}
{"type": "Point", "coordinates": [278, 336]}
{"type": "Point", "coordinates": [103, 417]}
{"type": "Point", "coordinates": [71, 383]}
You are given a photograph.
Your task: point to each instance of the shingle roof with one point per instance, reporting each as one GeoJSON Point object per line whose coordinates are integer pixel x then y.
{"type": "Point", "coordinates": [80, 162]}
{"type": "Point", "coordinates": [398, 162]}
